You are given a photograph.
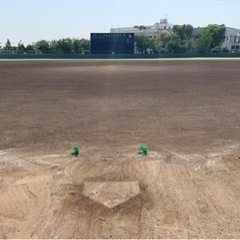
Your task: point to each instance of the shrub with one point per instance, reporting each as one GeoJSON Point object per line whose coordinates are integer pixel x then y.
{"type": "Point", "coordinates": [142, 148]}
{"type": "Point", "coordinates": [217, 49]}
{"type": "Point", "coordinates": [225, 50]}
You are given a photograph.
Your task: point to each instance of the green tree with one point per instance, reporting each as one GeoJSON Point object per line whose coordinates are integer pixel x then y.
{"type": "Point", "coordinates": [152, 45]}
{"type": "Point", "coordinates": [77, 46]}
{"type": "Point", "coordinates": [181, 39]}
{"type": "Point", "coordinates": [183, 31]}
{"type": "Point", "coordinates": [81, 45]}
{"type": "Point", "coordinates": [8, 45]}
{"type": "Point", "coordinates": [175, 43]}
{"type": "Point", "coordinates": [42, 45]}
{"type": "Point", "coordinates": [86, 45]}
{"type": "Point", "coordinates": [54, 46]}
{"type": "Point", "coordinates": [190, 44]}
{"type": "Point", "coordinates": [142, 43]}
{"type": "Point", "coordinates": [162, 41]}
{"type": "Point", "coordinates": [217, 33]}
{"type": "Point", "coordinates": [29, 47]}
{"type": "Point", "coordinates": [65, 45]}
{"type": "Point", "coordinates": [68, 46]}
{"type": "Point", "coordinates": [204, 41]}
{"type": "Point", "coordinates": [164, 37]}
{"type": "Point", "coordinates": [21, 46]}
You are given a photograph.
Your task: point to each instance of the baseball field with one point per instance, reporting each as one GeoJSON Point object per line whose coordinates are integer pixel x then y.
{"type": "Point", "coordinates": [186, 111]}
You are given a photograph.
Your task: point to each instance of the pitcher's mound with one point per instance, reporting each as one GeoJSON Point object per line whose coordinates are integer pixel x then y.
{"type": "Point", "coordinates": [111, 194]}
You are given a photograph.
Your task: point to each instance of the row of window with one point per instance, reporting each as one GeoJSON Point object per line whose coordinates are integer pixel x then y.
{"type": "Point", "coordinates": [150, 28]}
{"type": "Point", "coordinates": [233, 39]}
{"type": "Point", "coordinates": [235, 47]}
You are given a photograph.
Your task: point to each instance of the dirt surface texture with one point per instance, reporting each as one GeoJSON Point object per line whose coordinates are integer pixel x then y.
{"type": "Point", "coordinates": [186, 111]}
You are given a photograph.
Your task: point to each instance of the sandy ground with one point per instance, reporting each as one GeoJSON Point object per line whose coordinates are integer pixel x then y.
{"type": "Point", "coordinates": [187, 112]}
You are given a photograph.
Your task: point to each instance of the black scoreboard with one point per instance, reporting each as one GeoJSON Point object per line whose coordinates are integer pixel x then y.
{"type": "Point", "coordinates": [112, 43]}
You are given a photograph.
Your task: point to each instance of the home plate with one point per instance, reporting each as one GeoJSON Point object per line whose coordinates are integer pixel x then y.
{"type": "Point", "coordinates": [111, 194]}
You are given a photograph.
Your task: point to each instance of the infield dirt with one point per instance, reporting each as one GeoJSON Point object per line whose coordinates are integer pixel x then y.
{"type": "Point", "coordinates": [188, 113]}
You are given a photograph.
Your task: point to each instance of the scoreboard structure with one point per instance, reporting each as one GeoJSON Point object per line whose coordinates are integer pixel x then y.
{"type": "Point", "coordinates": [112, 43]}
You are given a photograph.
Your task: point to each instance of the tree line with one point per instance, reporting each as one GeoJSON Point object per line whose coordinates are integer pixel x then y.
{"type": "Point", "coordinates": [61, 46]}
{"type": "Point", "coordinates": [183, 38]}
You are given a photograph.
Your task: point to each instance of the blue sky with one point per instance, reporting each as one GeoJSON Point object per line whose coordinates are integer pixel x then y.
{"type": "Point", "coordinates": [32, 20]}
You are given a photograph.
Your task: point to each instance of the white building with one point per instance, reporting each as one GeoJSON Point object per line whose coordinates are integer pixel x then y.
{"type": "Point", "coordinates": [232, 39]}
{"type": "Point", "coordinates": [150, 30]}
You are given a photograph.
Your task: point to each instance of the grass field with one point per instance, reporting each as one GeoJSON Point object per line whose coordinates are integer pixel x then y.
{"type": "Point", "coordinates": [187, 112]}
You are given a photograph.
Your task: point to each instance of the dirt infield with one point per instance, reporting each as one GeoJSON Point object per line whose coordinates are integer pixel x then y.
{"type": "Point", "coordinates": [188, 113]}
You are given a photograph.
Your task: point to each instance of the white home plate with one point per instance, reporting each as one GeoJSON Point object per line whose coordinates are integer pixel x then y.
{"type": "Point", "coordinates": [111, 194]}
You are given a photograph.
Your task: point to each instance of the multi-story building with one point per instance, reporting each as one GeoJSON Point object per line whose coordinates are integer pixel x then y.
{"type": "Point", "coordinates": [150, 30]}
{"type": "Point", "coordinates": [232, 39]}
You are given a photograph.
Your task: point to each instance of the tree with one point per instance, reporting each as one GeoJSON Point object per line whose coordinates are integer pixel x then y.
{"type": "Point", "coordinates": [65, 45]}
{"type": "Point", "coordinates": [183, 31]}
{"type": "Point", "coordinates": [77, 46]}
{"type": "Point", "coordinates": [181, 39]}
{"type": "Point", "coordinates": [164, 37]}
{"type": "Point", "coordinates": [142, 43]}
{"type": "Point", "coordinates": [211, 37]}
{"type": "Point", "coordinates": [8, 45]}
{"type": "Point", "coordinates": [204, 41]}
{"type": "Point", "coordinates": [21, 46]}
{"type": "Point", "coordinates": [68, 46]}
{"type": "Point", "coordinates": [54, 46]}
{"type": "Point", "coordinates": [152, 45]}
{"type": "Point", "coordinates": [29, 47]}
{"type": "Point", "coordinates": [175, 43]}
{"type": "Point", "coordinates": [86, 45]}
{"type": "Point", "coordinates": [162, 41]}
{"type": "Point", "coordinates": [81, 45]}
{"type": "Point", "coordinates": [190, 44]}
{"type": "Point", "coordinates": [42, 45]}
{"type": "Point", "coordinates": [217, 33]}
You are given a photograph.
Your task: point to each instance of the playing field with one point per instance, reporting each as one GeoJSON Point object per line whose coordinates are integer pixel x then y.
{"type": "Point", "coordinates": [187, 112]}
